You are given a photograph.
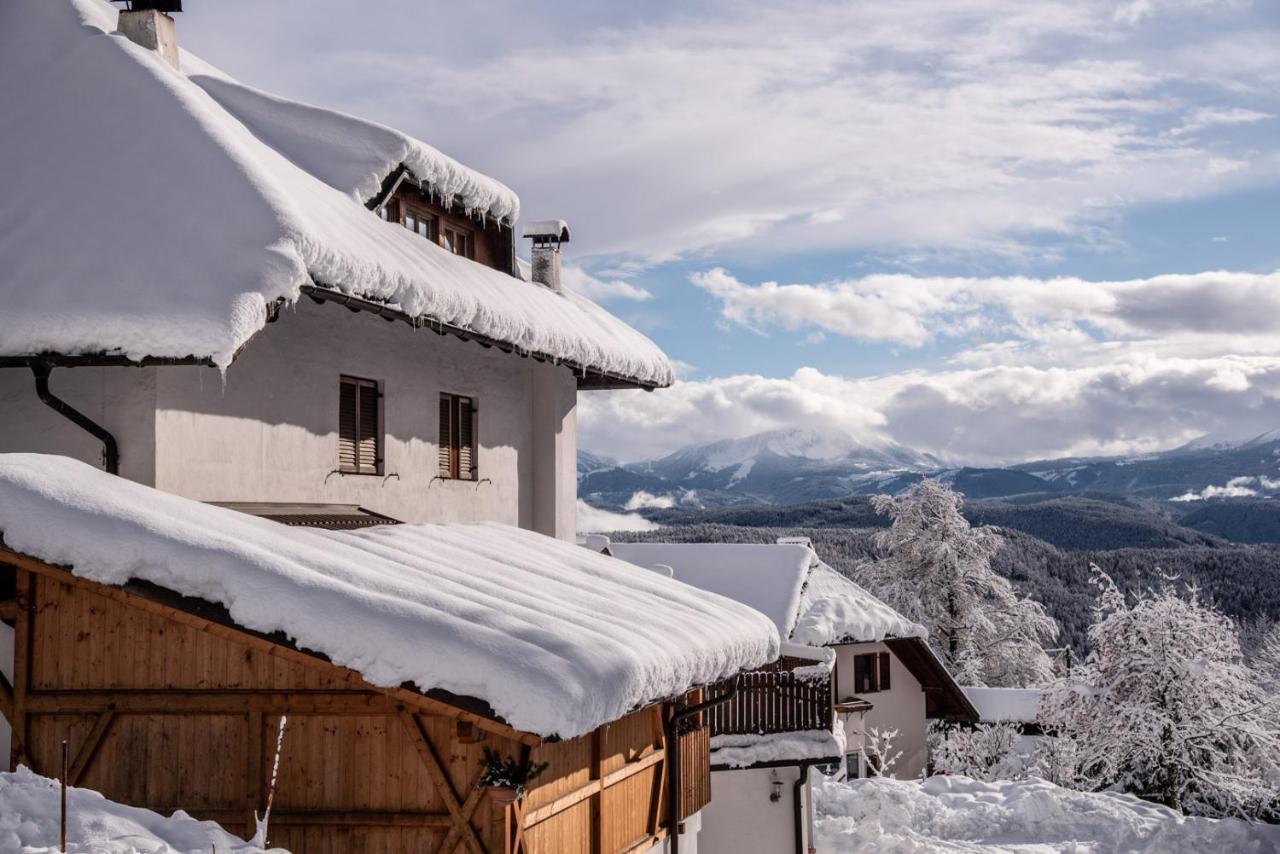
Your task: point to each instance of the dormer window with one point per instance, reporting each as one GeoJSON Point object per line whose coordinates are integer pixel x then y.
{"type": "Point", "coordinates": [459, 241]}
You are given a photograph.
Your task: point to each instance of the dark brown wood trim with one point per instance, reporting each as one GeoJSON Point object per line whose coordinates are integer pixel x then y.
{"type": "Point", "coordinates": [461, 821]}
{"type": "Point", "coordinates": [88, 750]}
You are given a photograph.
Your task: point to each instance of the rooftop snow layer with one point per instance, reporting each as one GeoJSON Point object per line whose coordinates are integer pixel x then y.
{"type": "Point", "coordinates": [1011, 705]}
{"type": "Point", "coordinates": [807, 600]}
{"type": "Point", "coordinates": [769, 578]}
{"type": "Point", "coordinates": [557, 639]}
{"type": "Point", "coordinates": [198, 223]}
{"type": "Point", "coordinates": [834, 609]}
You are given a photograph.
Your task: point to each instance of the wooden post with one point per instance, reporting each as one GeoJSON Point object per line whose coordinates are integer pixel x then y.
{"type": "Point", "coordinates": [22, 669]}
{"type": "Point", "coordinates": [66, 764]}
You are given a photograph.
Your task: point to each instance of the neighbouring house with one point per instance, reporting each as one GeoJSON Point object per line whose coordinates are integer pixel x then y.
{"type": "Point", "coordinates": [886, 675]}
{"type": "Point", "coordinates": [1019, 707]}
{"type": "Point", "coordinates": [289, 330]}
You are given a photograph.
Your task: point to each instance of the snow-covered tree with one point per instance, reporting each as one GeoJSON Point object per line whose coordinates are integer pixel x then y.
{"type": "Point", "coordinates": [1165, 707]}
{"type": "Point", "coordinates": [986, 752]}
{"type": "Point", "coordinates": [937, 571]}
{"type": "Point", "coordinates": [1266, 662]}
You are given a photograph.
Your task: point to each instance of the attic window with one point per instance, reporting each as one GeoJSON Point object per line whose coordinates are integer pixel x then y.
{"type": "Point", "coordinates": [359, 427]}
{"type": "Point", "coordinates": [460, 242]}
{"type": "Point", "coordinates": [871, 672]}
{"type": "Point", "coordinates": [420, 223]}
{"type": "Point", "coordinates": [458, 459]}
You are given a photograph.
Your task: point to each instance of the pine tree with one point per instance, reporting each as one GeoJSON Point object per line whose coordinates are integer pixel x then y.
{"type": "Point", "coordinates": [937, 571]}
{"type": "Point", "coordinates": [1164, 706]}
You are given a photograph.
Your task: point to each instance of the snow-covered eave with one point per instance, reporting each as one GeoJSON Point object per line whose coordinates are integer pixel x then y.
{"type": "Point", "coordinates": [402, 172]}
{"type": "Point", "coordinates": [588, 377]}
{"type": "Point", "coordinates": [137, 592]}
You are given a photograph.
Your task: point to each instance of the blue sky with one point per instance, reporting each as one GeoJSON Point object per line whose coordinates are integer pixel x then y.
{"type": "Point", "coordinates": [990, 230]}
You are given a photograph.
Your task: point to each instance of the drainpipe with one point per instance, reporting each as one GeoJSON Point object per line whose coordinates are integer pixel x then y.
{"type": "Point", "coordinates": [110, 451]}
{"type": "Point", "coordinates": [673, 760]}
{"type": "Point", "coordinates": [799, 808]}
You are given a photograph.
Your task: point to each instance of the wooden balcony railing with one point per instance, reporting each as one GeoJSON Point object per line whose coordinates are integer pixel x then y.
{"type": "Point", "coordinates": [776, 700]}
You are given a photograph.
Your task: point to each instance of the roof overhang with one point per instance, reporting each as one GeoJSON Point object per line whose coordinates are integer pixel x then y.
{"type": "Point", "coordinates": [944, 698]}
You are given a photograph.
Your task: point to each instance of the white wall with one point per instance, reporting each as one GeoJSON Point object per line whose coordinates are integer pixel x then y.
{"type": "Point", "coordinates": [741, 818]}
{"type": "Point", "coordinates": [120, 399]}
{"type": "Point", "coordinates": [902, 707]}
{"type": "Point", "coordinates": [269, 432]}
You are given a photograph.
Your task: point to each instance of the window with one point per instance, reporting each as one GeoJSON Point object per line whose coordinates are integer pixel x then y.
{"type": "Point", "coordinates": [871, 672]}
{"type": "Point", "coordinates": [382, 212]}
{"type": "Point", "coordinates": [457, 437]}
{"type": "Point", "coordinates": [420, 223]}
{"type": "Point", "coordinates": [852, 766]}
{"type": "Point", "coordinates": [359, 427]}
{"type": "Point", "coordinates": [459, 242]}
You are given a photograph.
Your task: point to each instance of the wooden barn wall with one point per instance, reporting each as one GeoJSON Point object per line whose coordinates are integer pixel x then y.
{"type": "Point", "coordinates": [159, 712]}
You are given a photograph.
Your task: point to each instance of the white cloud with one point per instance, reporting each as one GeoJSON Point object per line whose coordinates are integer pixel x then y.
{"type": "Point", "coordinates": [1056, 313]}
{"type": "Point", "coordinates": [1237, 487]}
{"type": "Point", "coordinates": [580, 281]}
{"type": "Point", "coordinates": [972, 126]}
{"type": "Point", "coordinates": [1135, 402]}
{"type": "Point", "coordinates": [641, 500]}
{"type": "Point", "coordinates": [593, 520]}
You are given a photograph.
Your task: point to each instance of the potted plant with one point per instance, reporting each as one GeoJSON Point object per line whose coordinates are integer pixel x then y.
{"type": "Point", "coordinates": [507, 778]}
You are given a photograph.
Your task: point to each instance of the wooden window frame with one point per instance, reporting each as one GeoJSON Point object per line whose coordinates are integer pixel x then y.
{"type": "Point", "coordinates": [458, 443]}
{"type": "Point", "coordinates": [366, 392]}
{"type": "Point", "coordinates": [871, 673]}
{"type": "Point", "coordinates": [467, 235]}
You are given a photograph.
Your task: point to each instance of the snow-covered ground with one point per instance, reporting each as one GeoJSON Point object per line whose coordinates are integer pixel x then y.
{"type": "Point", "coordinates": [957, 814]}
{"type": "Point", "coordinates": [29, 824]}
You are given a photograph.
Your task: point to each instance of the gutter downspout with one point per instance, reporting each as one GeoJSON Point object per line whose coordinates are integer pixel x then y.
{"type": "Point", "coordinates": [673, 760]}
{"type": "Point", "coordinates": [798, 808]}
{"type": "Point", "coordinates": [110, 451]}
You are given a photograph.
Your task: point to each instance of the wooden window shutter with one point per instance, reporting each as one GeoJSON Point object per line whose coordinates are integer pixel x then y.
{"type": "Point", "coordinates": [347, 426]}
{"type": "Point", "coordinates": [860, 681]}
{"type": "Point", "coordinates": [370, 434]}
{"type": "Point", "coordinates": [446, 436]}
{"type": "Point", "coordinates": [359, 427]}
{"type": "Point", "coordinates": [466, 439]}
{"type": "Point", "coordinates": [884, 672]}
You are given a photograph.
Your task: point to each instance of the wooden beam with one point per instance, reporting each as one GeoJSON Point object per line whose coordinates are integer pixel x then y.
{"type": "Point", "coordinates": [18, 754]}
{"type": "Point", "coordinates": [186, 701]}
{"type": "Point", "coordinates": [9, 610]}
{"type": "Point", "coordinates": [461, 823]}
{"type": "Point", "coordinates": [594, 787]}
{"type": "Point", "coordinates": [361, 818]}
{"type": "Point", "coordinates": [89, 749]}
{"type": "Point", "coordinates": [262, 644]}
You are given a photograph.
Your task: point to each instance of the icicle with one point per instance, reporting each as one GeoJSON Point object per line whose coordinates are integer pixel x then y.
{"type": "Point", "coordinates": [260, 823]}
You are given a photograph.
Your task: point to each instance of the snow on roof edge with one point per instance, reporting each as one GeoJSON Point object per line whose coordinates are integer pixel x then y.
{"type": "Point", "coordinates": [556, 639]}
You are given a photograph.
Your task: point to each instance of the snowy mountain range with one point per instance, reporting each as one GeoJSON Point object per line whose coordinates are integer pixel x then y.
{"type": "Point", "coordinates": [792, 466]}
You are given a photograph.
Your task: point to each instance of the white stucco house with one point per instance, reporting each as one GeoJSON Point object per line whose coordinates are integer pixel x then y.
{"type": "Point", "coordinates": [884, 676]}
{"type": "Point", "coordinates": [229, 298]}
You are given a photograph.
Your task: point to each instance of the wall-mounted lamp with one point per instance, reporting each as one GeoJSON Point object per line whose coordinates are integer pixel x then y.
{"type": "Point", "coordinates": [775, 789]}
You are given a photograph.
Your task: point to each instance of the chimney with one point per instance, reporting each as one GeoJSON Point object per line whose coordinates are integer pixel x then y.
{"type": "Point", "coordinates": [547, 236]}
{"type": "Point", "coordinates": [147, 23]}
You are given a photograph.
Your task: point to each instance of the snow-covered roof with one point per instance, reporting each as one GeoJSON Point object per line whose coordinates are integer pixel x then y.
{"type": "Point", "coordinates": [553, 229]}
{"type": "Point", "coordinates": [807, 600]}
{"type": "Point", "coordinates": [1012, 705]}
{"type": "Point", "coordinates": [556, 639]}
{"type": "Point", "coordinates": [199, 202]}
{"type": "Point", "coordinates": [769, 578]}
{"type": "Point", "coordinates": [834, 609]}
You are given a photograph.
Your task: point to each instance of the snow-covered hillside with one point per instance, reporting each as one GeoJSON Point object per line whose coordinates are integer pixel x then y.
{"type": "Point", "coordinates": [957, 814]}
{"type": "Point", "coordinates": [29, 820]}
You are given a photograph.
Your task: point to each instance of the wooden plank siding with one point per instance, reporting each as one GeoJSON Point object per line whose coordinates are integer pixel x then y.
{"type": "Point", "coordinates": [775, 701]}
{"type": "Point", "coordinates": [162, 711]}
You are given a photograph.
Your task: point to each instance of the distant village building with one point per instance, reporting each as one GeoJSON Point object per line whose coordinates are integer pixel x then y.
{"type": "Point", "coordinates": [289, 331]}
{"type": "Point", "coordinates": [851, 665]}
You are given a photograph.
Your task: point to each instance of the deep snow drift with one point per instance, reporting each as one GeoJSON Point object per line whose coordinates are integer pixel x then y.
{"type": "Point", "coordinates": [557, 639]}
{"type": "Point", "coordinates": [29, 823]}
{"type": "Point", "coordinates": [957, 814]}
